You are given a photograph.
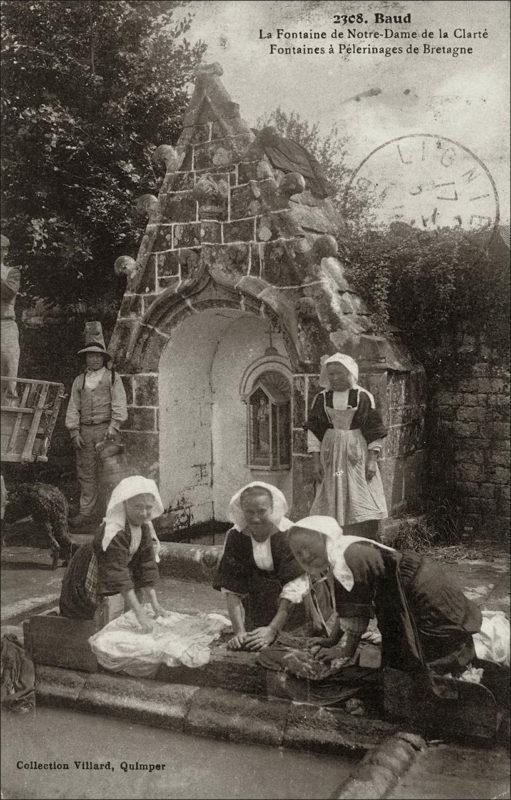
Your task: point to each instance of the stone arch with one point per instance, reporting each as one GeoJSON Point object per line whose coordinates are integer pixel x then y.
{"type": "Point", "coordinates": [202, 416]}
{"type": "Point", "coordinates": [142, 346]}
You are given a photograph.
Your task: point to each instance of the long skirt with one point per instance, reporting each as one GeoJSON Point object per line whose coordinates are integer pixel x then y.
{"type": "Point", "coordinates": [345, 493]}
{"type": "Point", "coordinates": [78, 596]}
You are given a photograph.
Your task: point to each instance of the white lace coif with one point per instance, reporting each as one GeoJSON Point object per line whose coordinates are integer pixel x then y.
{"type": "Point", "coordinates": [115, 517]}
{"type": "Point", "coordinates": [279, 510]}
{"type": "Point", "coordinates": [336, 545]}
{"type": "Point", "coordinates": [337, 358]}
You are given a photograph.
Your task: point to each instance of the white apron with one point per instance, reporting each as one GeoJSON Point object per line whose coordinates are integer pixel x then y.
{"type": "Point", "coordinates": [344, 492]}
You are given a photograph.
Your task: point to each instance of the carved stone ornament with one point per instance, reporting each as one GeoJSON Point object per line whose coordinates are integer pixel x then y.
{"type": "Point", "coordinates": [292, 183]}
{"type": "Point", "coordinates": [125, 265]}
{"type": "Point", "coordinates": [167, 156]}
{"type": "Point", "coordinates": [324, 246]}
{"type": "Point", "coordinates": [146, 205]}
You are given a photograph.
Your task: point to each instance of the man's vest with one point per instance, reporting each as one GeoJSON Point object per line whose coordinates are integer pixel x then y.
{"type": "Point", "coordinates": [96, 404]}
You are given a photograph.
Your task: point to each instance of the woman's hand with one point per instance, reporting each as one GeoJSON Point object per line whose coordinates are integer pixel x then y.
{"type": "Point", "coordinates": [78, 442]}
{"type": "Point", "coordinates": [371, 464]}
{"type": "Point", "coordinates": [329, 654]}
{"type": "Point", "coordinates": [162, 612]}
{"type": "Point", "coordinates": [316, 643]}
{"type": "Point", "coordinates": [318, 473]}
{"type": "Point", "coordinates": [237, 642]}
{"type": "Point", "coordinates": [260, 637]}
{"type": "Point", "coordinates": [145, 622]}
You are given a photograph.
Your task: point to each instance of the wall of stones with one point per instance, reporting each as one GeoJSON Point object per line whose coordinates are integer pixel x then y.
{"type": "Point", "coordinates": [470, 447]}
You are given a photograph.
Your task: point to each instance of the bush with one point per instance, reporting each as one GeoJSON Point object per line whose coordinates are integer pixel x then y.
{"type": "Point", "coordinates": [435, 287]}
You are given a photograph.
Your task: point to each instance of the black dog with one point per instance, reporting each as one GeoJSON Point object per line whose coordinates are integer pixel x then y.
{"type": "Point", "coordinates": [49, 510]}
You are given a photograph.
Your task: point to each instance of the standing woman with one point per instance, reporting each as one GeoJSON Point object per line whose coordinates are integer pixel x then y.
{"type": "Point", "coordinates": [344, 433]}
{"type": "Point", "coordinates": [122, 558]}
{"type": "Point", "coordinates": [256, 565]}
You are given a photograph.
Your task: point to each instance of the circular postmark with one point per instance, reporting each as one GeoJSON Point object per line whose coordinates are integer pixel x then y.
{"type": "Point", "coordinates": [429, 182]}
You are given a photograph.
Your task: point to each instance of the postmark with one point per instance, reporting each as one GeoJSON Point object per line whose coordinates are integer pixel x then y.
{"type": "Point", "coordinates": [429, 182]}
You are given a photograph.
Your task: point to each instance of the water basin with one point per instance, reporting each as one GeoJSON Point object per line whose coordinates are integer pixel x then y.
{"type": "Point", "coordinates": [190, 767]}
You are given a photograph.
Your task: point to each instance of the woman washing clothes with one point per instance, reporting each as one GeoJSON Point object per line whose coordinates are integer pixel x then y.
{"type": "Point", "coordinates": [424, 618]}
{"type": "Point", "coordinates": [345, 433]}
{"type": "Point", "coordinates": [122, 558]}
{"type": "Point", "coordinates": [422, 614]}
{"type": "Point", "coordinates": [256, 565]}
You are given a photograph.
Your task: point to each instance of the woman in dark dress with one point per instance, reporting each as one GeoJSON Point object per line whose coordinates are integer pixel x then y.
{"type": "Point", "coordinates": [425, 620]}
{"type": "Point", "coordinates": [423, 616]}
{"type": "Point", "coordinates": [122, 558]}
{"type": "Point", "coordinates": [256, 565]}
{"type": "Point", "coordinates": [345, 436]}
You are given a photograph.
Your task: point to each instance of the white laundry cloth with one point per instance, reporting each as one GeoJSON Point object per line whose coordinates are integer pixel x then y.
{"type": "Point", "coordinates": [492, 641]}
{"type": "Point", "coordinates": [180, 639]}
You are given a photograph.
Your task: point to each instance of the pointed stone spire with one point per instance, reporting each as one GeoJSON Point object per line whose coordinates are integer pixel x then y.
{"type": "Point", "coordinates": [211, 113]}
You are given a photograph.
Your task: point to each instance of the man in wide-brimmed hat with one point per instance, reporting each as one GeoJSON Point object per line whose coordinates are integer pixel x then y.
{"type": "Point", "coordinates": [9, 340]}
{"type": "Point", "coordinates": [96, 410]}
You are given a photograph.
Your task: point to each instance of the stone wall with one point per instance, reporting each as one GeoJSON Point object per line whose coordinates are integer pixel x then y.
{"type": "Point", "coordinates": [470, 447]}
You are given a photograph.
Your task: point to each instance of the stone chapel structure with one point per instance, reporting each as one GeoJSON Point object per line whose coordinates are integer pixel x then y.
{"type": "Point", "coordinates": [235, 294]}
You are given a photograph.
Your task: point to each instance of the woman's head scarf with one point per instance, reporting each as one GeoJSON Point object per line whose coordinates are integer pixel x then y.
{"type": "Point", "coordinates": [338, 358]}
{"type": "Point", "coordinates": [115, 518]}
{"type": "Point", "coordinates": [279, 507]}
{"type": "Point", "coordinates": [336, 544]}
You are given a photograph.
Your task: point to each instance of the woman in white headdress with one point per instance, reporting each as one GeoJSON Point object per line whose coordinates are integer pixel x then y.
{"type": "Point", "coordinates": [422, 614]}
{"type": "Point", "coordinates": [122, 558]}
{"type": "Point", "coordinates": [345, 433]}
{"type": "Point", "coordinates": [425, 620]}
{"type": "Point", "coordinates": [256, 565]}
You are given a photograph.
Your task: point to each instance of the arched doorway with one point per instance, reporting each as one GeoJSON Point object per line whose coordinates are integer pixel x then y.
{"type": "Point", "coordinates": [204, 455]}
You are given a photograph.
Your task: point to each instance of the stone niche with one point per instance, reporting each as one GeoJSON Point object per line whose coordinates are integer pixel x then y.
{"type": "Point", "coordinates": [237, 276]}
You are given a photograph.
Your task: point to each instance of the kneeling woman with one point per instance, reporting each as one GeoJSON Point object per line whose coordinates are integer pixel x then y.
{"type": "Point", "coordinates": [122, 558]}
{"type": "Point", "coordinates": [423, 616]}
{"type": "Point", "coordinates": [256, 565]}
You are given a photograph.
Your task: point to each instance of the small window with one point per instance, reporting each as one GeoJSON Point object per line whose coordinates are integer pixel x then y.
{"type": "Point", "coordinates": [269, 423]}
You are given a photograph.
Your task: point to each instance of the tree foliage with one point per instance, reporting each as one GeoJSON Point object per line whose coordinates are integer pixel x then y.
{"type": "Point", "coordinates": [90, 87]}
{"type": "Point", "coordinates": [434, 286]}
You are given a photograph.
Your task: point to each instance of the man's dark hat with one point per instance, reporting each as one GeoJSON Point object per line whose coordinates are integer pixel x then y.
{"type": "Point", "coordinates": [95, 342]}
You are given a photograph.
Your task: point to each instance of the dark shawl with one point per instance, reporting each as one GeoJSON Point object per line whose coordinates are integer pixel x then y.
{"type": "Point", "coordinates": [77, 601]}
{"type": "Point", "coordinates": [366, 418]}
{"type": "Point", "coordinates": [237, 570]}
{"type": "Point", "coordinates": [115, 572]}
{"type": "Point", "coordinates": [423, 616]}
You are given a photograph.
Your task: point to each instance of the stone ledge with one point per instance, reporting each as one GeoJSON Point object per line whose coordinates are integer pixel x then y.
{"type": "Point", "coordinates": [236, 717]}
{"type": "Point", "coordinates": [189, 561]}
{"type": "Point", "coordinates": [323, 730]}
{"type": "Point", "coordinates": [381, 768]}
{"type": "Point", "coordinates": [226, 669]}
{"type": "Point", "coordinates": [56, 686]}
{"type": "Point", "coordinates": [163, 705]}
{"type": "Point", "coordinates": [211, 712]}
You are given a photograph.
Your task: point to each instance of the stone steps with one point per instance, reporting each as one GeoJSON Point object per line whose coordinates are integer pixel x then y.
{"type": "Point", "coordinates": [212, 712]}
